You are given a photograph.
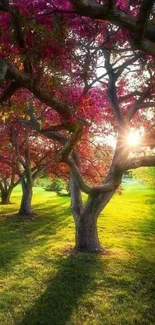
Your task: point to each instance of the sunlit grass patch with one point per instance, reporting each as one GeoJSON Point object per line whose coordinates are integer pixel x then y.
{"type": "Point", "coordinates": [41, 283]}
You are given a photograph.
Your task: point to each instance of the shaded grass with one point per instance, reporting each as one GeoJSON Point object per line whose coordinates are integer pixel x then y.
{"type": "Point", "coordinates": [41, 283]}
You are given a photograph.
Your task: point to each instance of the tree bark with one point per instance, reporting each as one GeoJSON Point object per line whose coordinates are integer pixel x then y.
{"type": "Point", "coordinates": [25, 207]}
{"type": "Point", "coordinates": [86, 235]}
{"type": "Point", "coordinates": [86, 216]}
{"type": "Point", "coordinates": [5, 196]}
{"type": "Point", "coordinates": [26, 179]}
{"type": "Point", "coordinates": [86, 226]}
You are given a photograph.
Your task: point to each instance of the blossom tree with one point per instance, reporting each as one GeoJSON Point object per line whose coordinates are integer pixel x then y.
{"type": "Point", "coordinates": [8, 181]}
{"type": "Point", "coordinates": [23, 157]}
{"type": "Point", "coordinates": [8, 176]}
{"type": "Point", "coordinates": [91, 66]}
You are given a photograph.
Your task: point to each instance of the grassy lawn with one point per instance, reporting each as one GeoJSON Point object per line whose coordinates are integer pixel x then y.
{"type": "Point", "coordinates": [42, 284]}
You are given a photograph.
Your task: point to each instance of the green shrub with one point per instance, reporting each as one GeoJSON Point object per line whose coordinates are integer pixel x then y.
{"type": "Point", "coordinates": [57, 185]}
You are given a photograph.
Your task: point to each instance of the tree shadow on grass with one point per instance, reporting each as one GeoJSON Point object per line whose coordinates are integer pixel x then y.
{"type": "Point", "coordinates": [132, 295]}
{"type": "Point", "coordinates": [147, 224]}
{"type": "Point", "coordinates": [74, 279]}
{"type": "Point", "coordinates": [142, 248]}
{"type": "Point", "coordinates": [17, 236]}
{"type": "Point", "coordinates": [88, 289]}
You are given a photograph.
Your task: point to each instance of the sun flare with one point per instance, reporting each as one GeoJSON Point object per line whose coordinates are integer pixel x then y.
{"type": "Point", "coordinates": [133, 138]}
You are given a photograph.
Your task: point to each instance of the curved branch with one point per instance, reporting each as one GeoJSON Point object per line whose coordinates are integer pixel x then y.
{"type": "Point", "coordinates": [145, 161]}
{"type": "Point", "coordinates": [27, 81]}
{"type": "Point", "coordinates": [9, 91]}
{"type": "Point", "coordinates": [106, 187]}
{"type": "Point", "coordinates": [71, 143]}
{"type": "Point", "coordinates": [139, 103]}
{"type": "Point", "coordinates": [118, 17]}
{"type": "Point", "coordinates": [54, 135]}
{"type": "Point", "coordinates": [143, 17]}
{"type": "Point", "coordinates": [59, 127]}
{"type": "Point", "coordinates": [72, 163]}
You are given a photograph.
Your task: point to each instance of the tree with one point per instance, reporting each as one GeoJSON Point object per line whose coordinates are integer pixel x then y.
{"type": "Point", "coordinates": [23, 157]}
{"type": "Point", "coordinates": [32, 158]}
{"type": "Point", "coordinates": [8, 176]}
{"type": "Point", "coordinates": [8, 181]}
{"type": "Point", "coordinates": [61, 69]}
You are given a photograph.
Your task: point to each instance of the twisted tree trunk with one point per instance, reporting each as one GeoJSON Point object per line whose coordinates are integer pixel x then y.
{"type": "Point", "coordinates": [86, 227]}
{"type": "Point", "coordinates": [86, 216]}
{"type": "Point", "coordinates": [25, 207]}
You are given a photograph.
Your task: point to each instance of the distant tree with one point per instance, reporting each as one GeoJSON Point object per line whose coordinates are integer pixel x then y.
{"type": "Point", "coordinates": [8, 176]}
{"type": "Point", "coordinates": [23, 158]}
{"type": "Point", "coordinates": [32, 158]}
{"type": "Point", "coordinates": [8, 181]}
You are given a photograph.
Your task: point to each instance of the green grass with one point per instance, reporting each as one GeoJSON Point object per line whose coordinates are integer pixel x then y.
{"type": "Point", "coordinates": [42, 284]}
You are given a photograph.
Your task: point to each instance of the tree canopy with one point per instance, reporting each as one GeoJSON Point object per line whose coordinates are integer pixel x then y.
{"type": "Point", "coordinates": [76, 70]}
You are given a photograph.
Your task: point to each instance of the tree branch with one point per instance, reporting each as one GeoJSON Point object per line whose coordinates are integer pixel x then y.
{"type": "Point", "coordinates": [112, 90]}
{"type": "Point", "coordinates": [138, 103]}
{"type": "Point", "coordinates": [106, 187]}
{"type": "Point", "coordinates": [18, 32]}
{"type": "Point", "coordinates": [9, 91]}
{"type": "Point", "coordinates": [40, 170]}
{"type": "Point", "coordinates": [54, 135]}
{"type": "Point", "coordinates": [126, 64]}
{"type": "Point", "coordinates": [71, 143]}
{"type": "Point", "coordinates": [64, 126]}
{"type": "Point", "coordinates": [53, 12]}
{"type": "Point", "coordinates": [142, 19]}
{"type": "Point", "coordinates": [26, 81]}
{"type": "Point", "coordinates": [145, 161]}
{"type": "Point", "coordinates": [76, 197]}
{"type": "Point", "coordinates": [4, 5]}
{"type": "Point", "coordinates": [119, 18]}
{"type": "Point", "coordinates": [128, 96]}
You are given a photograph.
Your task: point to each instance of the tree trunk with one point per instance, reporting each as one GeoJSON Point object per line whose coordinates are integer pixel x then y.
{"type": "Point", "coordinates": [5, 195]}
{"type": "Point", "coordinates": [85, 216]}
{"type": "Point", "coordinates": [25, 207]}
{"type": "Point", "coordinates": [86, 235]}
{"type": "Point", "coordinates": [86, 225]}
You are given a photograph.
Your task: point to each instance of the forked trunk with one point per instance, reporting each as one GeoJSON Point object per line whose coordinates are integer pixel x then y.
{"type": "Point", "coordinates": [85, 216]}
{"type": "Point", "coordinates": [5, 196]}
{"type": "Point", "coordinates": [86, 225]}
